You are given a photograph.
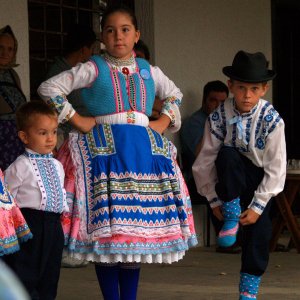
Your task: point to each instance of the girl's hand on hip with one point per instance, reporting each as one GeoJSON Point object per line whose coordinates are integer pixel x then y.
{"type": "Point", "coordinates": [161, 124]}
{"type": "Point", "coordinates": [83, 124]}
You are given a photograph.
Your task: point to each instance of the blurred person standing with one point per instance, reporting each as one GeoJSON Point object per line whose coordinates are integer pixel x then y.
{"type": "Point", "coordinates": [11, 98]}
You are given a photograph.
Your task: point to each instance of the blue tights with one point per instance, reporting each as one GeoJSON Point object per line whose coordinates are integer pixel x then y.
{"type": "Point", "coordinates": [118, 281]}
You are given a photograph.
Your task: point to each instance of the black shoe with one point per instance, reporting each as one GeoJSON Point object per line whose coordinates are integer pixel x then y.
{"type": "Point", "coordinates": [230, 250]}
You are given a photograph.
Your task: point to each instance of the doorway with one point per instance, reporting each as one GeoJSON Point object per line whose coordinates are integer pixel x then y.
{"type": "Point", "coordinates": [286, 61]}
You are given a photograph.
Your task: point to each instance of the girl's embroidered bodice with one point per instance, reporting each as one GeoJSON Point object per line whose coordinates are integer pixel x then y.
{"type": "Point", "coordinates": [115, 92]}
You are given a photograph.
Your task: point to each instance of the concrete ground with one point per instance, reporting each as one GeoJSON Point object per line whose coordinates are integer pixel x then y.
{"type": "Point", "coordinates": [203, 274]}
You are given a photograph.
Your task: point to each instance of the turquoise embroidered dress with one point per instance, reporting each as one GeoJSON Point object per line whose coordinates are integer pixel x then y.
{"type": "Point", "coordinates": [127, 197]}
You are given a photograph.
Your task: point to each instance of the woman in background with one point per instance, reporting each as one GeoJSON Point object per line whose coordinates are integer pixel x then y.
{"type": "Point", "coordinates": [11, 97]}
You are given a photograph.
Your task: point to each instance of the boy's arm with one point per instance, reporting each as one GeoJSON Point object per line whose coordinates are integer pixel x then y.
{"type": "Point", "coordinates": [13, 179]}
{"type": "Point", "coordinates": [204, 170]}
{"type": "Point", "coordinates": [274, 164]}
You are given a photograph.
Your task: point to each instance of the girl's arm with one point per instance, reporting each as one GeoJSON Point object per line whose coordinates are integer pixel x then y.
{"type": "Point", "coordinates": [169, 93]}
{"type": "Point", "coordinates": [54, 91]}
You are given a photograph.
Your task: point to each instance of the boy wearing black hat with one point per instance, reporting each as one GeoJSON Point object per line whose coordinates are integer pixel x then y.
{"type": "Point", "coordinates": [242, 164]}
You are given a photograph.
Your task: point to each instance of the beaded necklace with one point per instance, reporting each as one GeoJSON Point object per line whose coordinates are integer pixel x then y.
{"type": "Point", "coordinates": [119, 62]}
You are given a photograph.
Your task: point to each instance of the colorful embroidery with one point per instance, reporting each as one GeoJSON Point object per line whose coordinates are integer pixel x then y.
{"type": "Point", "coordinates": [159, 144]}
{"type": "Point", "coordinates": [100, 140]}
{"type": "Point", "coordinates": [57, 103]}
{"type": "Point", "coordinates": [5, 196]}
{"type": "Point", "coordinates": [117, 90]}
{"type": "Point", "coordinates": [130, 117]}
{"type": "Point", "coordinates": [53, 196]}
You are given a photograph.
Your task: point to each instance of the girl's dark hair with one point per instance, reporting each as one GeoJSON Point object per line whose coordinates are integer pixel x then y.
{"type": "Point", "coordinates": [118, 8]}
{"type": "Point", "coordinates": [27, 111]}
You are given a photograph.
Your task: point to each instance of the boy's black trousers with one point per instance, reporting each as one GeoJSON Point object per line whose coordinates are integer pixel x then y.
{"type": "Point", "coordinates": [239, 177]}
{"type": "Point", "coordinates": [38, 262]}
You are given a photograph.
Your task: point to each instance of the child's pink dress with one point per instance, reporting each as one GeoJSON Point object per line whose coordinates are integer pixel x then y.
{"type": "Point", "coordinates": [13, 227]}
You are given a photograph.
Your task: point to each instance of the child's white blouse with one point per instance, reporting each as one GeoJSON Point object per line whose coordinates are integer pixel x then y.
{"type": "Point", "coordinates": [260, 138]}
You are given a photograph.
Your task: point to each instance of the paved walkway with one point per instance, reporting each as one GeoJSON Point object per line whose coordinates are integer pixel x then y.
{"type": "Point", "coordinates": [202, 275]}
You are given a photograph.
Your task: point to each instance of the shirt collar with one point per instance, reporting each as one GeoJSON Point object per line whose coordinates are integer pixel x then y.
{"type": "Point", "coordinates": [33, 154]}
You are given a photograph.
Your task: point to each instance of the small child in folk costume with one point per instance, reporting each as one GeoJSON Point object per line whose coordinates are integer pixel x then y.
{"type": "Point", "coordinates": [36, 181]}
{"type": "Point", "coordinates": [242, 165]}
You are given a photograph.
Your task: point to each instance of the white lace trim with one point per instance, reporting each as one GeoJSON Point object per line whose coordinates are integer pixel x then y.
{"type": "Point", "coordinates": [165, 258]}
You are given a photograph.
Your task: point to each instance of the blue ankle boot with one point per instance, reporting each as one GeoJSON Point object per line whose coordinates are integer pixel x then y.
{"type": "Point", "coordinates": [231, 212]}
{"type": "Point", "coordinates": [249, 285]}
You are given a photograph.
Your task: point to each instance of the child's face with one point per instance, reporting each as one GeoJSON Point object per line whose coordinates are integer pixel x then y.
{"type": "Point", "coordinates": [41, 135]}
{"type": "Point", "coordinates": [246, 95]}
{"type": "Point", "coordinates": [119, 35]}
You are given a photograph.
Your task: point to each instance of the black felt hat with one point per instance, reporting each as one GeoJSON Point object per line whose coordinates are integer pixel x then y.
{"type": "Point", "coordinates": [249, 67]}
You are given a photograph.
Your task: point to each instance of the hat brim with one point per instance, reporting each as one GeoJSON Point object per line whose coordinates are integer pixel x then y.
{"type": "Point", "coordinates": [228, 71]}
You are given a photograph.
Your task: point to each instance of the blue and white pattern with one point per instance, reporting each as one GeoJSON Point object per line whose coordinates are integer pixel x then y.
{"type": "Point", "coordinates": [261, 122]}
{"type": "Point", "coordinates": [116, 194]}
{"type": "Point", "coordinates": [6, 199]}
{"type": "Point", "coordinates": [53, 195]}
{"type": "Point", "coordinates": [249, 285]}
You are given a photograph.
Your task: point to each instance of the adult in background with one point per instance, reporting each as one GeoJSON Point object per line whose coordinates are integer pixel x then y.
{"type": "Point", "coordinates": [191, 134]}
{"type": "Point", "coordinates": [11, 97]}
{"type": "Point", "coordinates": [78, 48]}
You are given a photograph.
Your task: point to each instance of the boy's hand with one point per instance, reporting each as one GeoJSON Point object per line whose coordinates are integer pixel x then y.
{"type": "Point", "coordinates": [83, 124]}
{"type": "Point", "coordinates": [248, 217]}
{"type": "Point", "coordinates": [218, 213]}
{"type": "Point", "coordinates": [161, 124]}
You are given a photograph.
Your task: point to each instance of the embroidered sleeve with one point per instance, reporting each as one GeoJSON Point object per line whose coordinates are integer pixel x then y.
{"type": "Point", "coordinates": [274, 164]}
{"type": "Point", "coordinates": [63, 107]}
{"type": "Point", "coordinates": [171, 109]}
{"type": "Point", "coordinates": [166, 90]}
{"type": "Point", "coordinates": [217, 123]}
{"type": "Point", "coordinates": [54, 90]}
{"type": "Point", "coordinates": [204, 169]}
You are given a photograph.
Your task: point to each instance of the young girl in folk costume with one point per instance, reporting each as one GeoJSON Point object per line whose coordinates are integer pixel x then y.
{"type": "Point", "coordinates": [130, 202]}
{"type": "Point", "coordinates": [13, 227]}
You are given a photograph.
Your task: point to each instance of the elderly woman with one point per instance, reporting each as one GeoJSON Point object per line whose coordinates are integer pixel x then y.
{"type": "Point", "coordinates": [11, 97]}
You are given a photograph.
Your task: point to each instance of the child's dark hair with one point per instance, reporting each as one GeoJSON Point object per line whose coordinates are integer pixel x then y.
{"type": "Point", "coordinates": [25, 113]}
{"type": "Point", "coordinates": [142, 47]}
{"type": "Point", "coordinates": [118, 8]}
{"type": "Point", "coordinates": [78, 36]}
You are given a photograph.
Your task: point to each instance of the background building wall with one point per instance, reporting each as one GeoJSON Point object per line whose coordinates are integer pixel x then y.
{"type": "Point", "coordinates": [193, 40]}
